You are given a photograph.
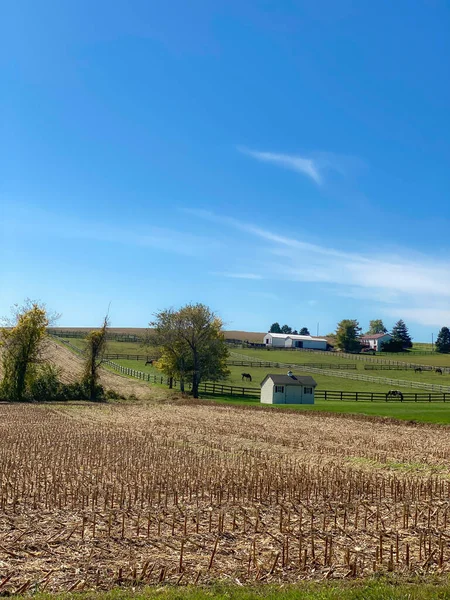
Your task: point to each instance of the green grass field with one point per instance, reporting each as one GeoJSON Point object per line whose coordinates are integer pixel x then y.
{"type": "Point", "coordinates": [432, 588]}
{"type": "Point", "coordinates": [423, 412]}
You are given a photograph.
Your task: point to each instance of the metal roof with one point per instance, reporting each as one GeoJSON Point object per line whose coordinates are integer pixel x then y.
{"type": "Point", "coordinates": [375, 336]}
{"type": "Point", "coordinates": [294, 336]}
{"type": "Point", "coordinates": [277, 379]}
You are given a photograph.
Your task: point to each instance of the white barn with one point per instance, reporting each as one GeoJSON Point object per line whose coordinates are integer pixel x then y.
{"type": "Point", "coordinates": [289, 340]}
{"type": "Point", "coordinates": [376, 340]}
{"type": "Point", "coordinates": [288, 389]}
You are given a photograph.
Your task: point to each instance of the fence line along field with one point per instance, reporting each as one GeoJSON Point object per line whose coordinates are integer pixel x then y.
{"type": "Point", "coordinates": [100, 495]}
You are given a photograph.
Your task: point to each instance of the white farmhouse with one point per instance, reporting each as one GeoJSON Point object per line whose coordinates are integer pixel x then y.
{"type": "Point", "coordinates": [376, 340]}
{"type": "Point", "coordinates": [288, 389]}
{"type": "Point", "coordinates": [289, 340]}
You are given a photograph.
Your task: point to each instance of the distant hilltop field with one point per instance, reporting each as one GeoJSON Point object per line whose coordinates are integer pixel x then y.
{"type": "Point", "coordinates": [251, 336]}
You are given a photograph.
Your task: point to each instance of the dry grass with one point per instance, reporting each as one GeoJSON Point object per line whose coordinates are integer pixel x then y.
{"type": "Point", "coordinates": [71, 369]}
{"type": "Point", "coordinates": [95, 495]}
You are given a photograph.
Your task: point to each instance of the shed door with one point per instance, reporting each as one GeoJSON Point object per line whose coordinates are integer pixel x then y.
{"type": "Point", "coordinates": [293, 394]}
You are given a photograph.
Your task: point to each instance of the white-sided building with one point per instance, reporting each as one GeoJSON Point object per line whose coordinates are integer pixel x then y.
{"type": "Point", "coordinates": [289, 340]}
{"type": "Point", "coordinates": [288, 389]}
{"type": "Point", "coordinates": [375, 340]}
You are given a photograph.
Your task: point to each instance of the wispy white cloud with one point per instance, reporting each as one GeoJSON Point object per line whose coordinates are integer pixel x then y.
{"type": "Point", "coordinates": [300, 164]}
{"type": "Point", "coordinates": [413, 285]}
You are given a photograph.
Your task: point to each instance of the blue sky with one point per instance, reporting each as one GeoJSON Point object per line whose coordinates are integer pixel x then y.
{"type": "Point", "coordinates": [279, 161]}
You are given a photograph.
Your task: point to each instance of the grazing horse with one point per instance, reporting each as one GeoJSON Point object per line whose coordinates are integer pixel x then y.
{"type": "Point", "coordinates": [418, 370]}
{"type": "Point", "coordinates": [246, 376]}
{"type": "Point", "coordinates": [149, 362]}
{"type": "Point", "coordinates": [394, 394]}
{"type": "Point", "coordinates": [438, 370]}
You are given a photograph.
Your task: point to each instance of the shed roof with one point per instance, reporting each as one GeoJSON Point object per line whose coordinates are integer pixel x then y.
{"type": "Point", "coordinates": [288, 380]}
{"type": "Point", "coordinates": [294, 336]}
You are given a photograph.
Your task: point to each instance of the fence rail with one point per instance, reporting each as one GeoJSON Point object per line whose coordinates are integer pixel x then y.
{"type": "Point", "coordinates": [265, 363]}
{"type": "Point", "coordinates": [406, 367]}
{"type": "Point", "coordinates": [381, 397]}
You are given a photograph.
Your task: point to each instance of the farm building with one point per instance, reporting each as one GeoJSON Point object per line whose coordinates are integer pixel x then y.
{"type": "Point", "coordinates": [289, 340]}
{"type": "Point", "coordinates": [376, 340]}
{"type": "Point", "coordinates": [288, 389]}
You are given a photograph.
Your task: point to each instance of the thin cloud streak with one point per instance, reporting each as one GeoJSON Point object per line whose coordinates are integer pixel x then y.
{"type": "Point", "coordinates": [389, 282]}
{"type": "Point", "coordinates": [299, 164]}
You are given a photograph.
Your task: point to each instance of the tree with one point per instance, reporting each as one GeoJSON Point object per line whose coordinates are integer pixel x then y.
{"type": "Point", "coordinates": [23, 339]}
{"type": "Point", "coordinates": [304, 331]}
{"type": "Point", "coordinates": [286, 329]}
{"type": "Point", "coordinates": [376, 326]}
{"type": "Point", "coordinates": [391, 346]}
{"type": "Point", "coordinates": [275, 328]}
{"type": "Point", "coordinates": [347, 334]}
{"type": "Point", "coordinates": [400, 333]}
{"type": "Point", "coordinates": [94, 357]}
{"type": "Point", "coordinates": [443, 341]}
{"type": "Point", "coordinates": [192, 344]}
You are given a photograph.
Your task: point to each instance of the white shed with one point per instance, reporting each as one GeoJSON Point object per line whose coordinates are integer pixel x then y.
{"type": "Point", "coordinates": [288, 389]}
{"type": "Point", "coordinates": [290, 340]}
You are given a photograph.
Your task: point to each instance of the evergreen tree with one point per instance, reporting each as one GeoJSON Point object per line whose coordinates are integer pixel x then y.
{"type": "Point", "coordinates": [443, 341]}
{"type": "Point", "coordinates": [275, 328]}
{"type": "Point", "coordinates": [400, 333]}
{"type": "Point", "coordinates": [286, 329]}
{"type": "Point", "coordinates": [376, 326]}
{"type": "Point", "coordinates": [304, 331]}
{"type": "Point", "coordinates": [347, 335]}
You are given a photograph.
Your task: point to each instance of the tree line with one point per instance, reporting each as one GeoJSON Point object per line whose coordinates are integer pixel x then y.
{"type": "Point", "coordinates": [275, 328]}
{"type": "Point", "coordinates": [189, 345]}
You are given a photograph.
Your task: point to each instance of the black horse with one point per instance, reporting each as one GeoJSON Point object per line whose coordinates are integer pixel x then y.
{"type": "Point", "coordinates": [149, 362]}
{"type": "Point", "coordinates": [246, 376]}
{"type": "Point", "coordinates": [438, 370]}
{"type": "Point", "coordinates": [418, 370]}
{"type": "Point", "coordinates": [394, 394]}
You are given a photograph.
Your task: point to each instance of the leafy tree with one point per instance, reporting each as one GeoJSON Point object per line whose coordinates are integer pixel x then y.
{"type": "Point", "coordinates": [23, 340]}
{"type": "Point", "coordinates": [392, 346]}
{"type": "Point", "coordinates": [191, 343]}
{"type": "Point", "coordinates": [443, 341]}
{"type": "Point", "coordinates": [376, 326]}
{"type": "Point", "coordinates": [400, 333]}
{"type": "Point", "coordinates": [94, 357]}
{"type": "Point", "coordinates": [304, 331]}
{"type": "Point", "coordinates": [347, 334]}
{"type": "Point", "coordinates": [275, 328]}
{"type": "Point", "coordinates": [294, 332]}
{"type": "Point", "coordinates": [286, 329]}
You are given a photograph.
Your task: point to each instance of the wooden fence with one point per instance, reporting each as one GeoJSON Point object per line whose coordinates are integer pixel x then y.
{"type": "Point", "coordinates": [206, 387]}
{"type": "Point", "coordinates": [265, 363]}
{"type": "Point", "coordinates": [405, 367]}
{"type": "Point", "coordinates": [381, 397]}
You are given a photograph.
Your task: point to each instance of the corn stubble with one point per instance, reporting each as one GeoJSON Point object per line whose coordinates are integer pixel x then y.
{"type": "Point", "coordinates": [101, 496]}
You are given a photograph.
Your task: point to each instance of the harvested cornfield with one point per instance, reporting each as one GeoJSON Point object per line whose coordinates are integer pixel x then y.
{"type": "Point", "coordinates": [95, 496]}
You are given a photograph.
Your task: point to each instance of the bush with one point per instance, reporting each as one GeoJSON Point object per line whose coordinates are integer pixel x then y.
{"type": "Point", "coordinates": [392, 346]}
